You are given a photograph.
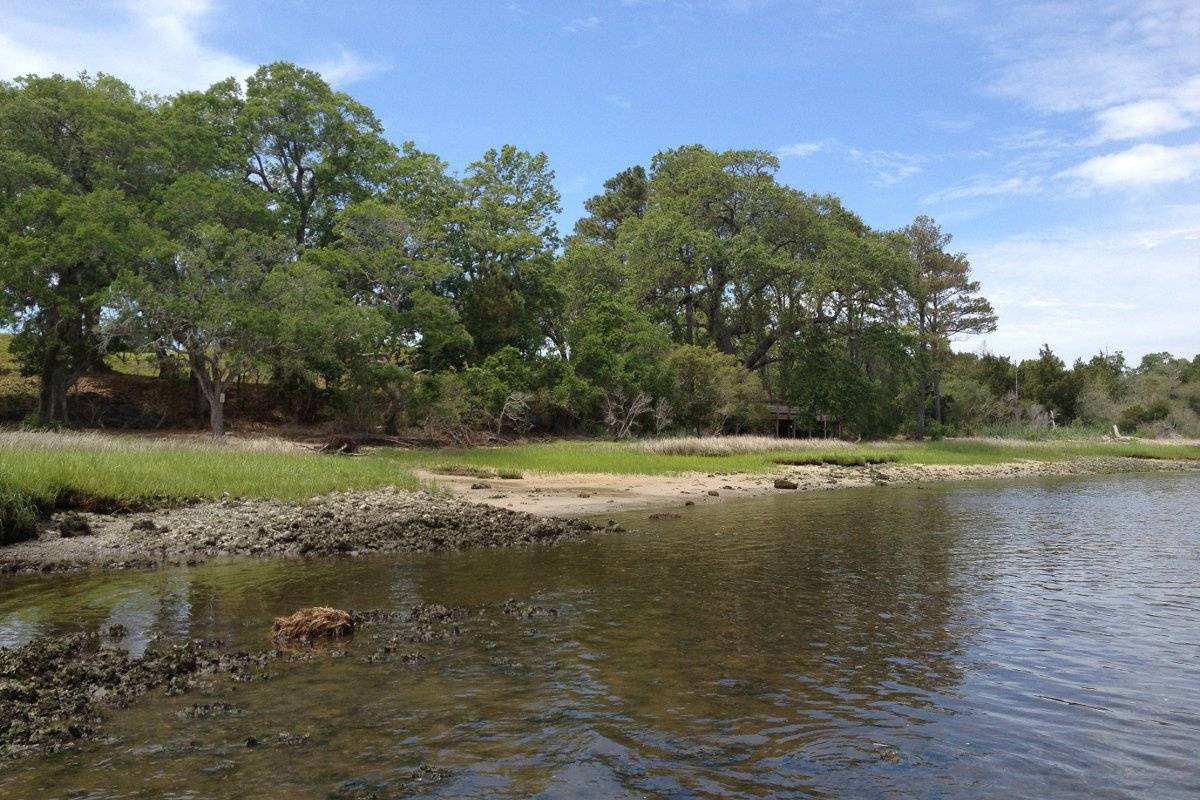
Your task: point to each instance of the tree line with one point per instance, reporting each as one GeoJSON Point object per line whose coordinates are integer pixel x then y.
{"type": "Point", "coordinates": [271, 228]}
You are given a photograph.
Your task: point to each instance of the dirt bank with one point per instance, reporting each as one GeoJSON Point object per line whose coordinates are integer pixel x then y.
{"type": "Point", "coordinates": [591, 494]}
{"type": "Point", "coordinates": [348, 523]}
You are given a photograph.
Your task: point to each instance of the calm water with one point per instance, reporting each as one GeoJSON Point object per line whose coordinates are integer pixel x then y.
{"type": "Point", "coordinates": [1036, 639]}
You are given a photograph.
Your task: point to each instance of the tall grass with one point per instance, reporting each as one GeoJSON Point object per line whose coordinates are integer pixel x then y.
{"type": "Point", "coordinates": [638, 458]}
{"type": "Point", "coordinates": [729, 445]}
{"type": "Point", "coordinates": [108, 479]}
{"type": "Point", "coordinates": [16, 439]}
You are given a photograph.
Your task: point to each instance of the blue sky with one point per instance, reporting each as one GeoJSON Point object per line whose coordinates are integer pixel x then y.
{"type": "Point", "coordinates": [1059, 142]}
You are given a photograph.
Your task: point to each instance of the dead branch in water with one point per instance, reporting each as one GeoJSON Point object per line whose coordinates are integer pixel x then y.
{"type": "Point", "coordinates": [318, 622]}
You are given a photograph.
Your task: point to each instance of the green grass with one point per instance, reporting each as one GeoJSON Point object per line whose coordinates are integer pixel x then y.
{"type": "Point", "coordinates": [108, 480]}
{"type": "Point", "coordinates": [624, 459]}
{"type": "Point", "coordinates": [111, 478]}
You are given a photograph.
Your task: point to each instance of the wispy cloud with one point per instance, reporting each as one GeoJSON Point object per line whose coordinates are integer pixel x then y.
{"type": "Point", "coordinates": [348, 67]}
{"type": "Point", "coordinates": [582, 24]}
{"type": "Point", "coordinates": [985, 186]}
{"type": "Point", "coordinates": [800, 149]}
{"type": "Point", "coordinates": [887, 167]}
{"type": "Point", "coordinates": [154, 46]}
{"type": "Point", "coordinates": [1140, 119]}
{"type": "Point", "coordinates": [618, 101]}
{"type": "Point", "coordinates": [1058, 57]}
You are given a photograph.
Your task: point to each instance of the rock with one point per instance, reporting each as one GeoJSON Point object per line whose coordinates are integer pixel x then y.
{"type": "Point", "coordinates": [784, 483]}
{"type": "Point", "coordinates": [71, 525]}
{"type": "Point", "coordinates": [713, 493]}
{"type": "Point", "coordinates": [481, 485]}
{"type": "Point", "coordinates": [143, 525]}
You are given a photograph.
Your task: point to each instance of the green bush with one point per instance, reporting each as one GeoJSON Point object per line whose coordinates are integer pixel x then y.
{"type": "Point", "coordinates": [18, 515]}
{"type": "Point", "coordinates": [1134, 416]}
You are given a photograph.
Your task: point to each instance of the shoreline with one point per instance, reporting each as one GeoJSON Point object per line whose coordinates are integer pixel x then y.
{"type": "Point", "coordinates": [595, 494]}
{"type": "Point", "coordinates": [466, 513]}
{"type": "Point", "coordinates": [352, 523]}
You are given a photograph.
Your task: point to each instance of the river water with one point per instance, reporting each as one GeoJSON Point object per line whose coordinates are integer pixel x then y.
{"type": "Point", "coordinates": [1023, 639]}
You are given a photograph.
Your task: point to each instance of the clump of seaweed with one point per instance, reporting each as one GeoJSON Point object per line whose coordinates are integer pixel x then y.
{"type": "Point", "coordinates": [318, 622]}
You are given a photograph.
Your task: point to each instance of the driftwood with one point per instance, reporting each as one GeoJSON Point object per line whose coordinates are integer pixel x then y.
{"type": "Point", "coordinates": [319, 622]}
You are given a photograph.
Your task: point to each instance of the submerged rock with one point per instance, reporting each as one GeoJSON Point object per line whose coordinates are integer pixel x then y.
{"type": "Point", "coordinates": [54, 689]}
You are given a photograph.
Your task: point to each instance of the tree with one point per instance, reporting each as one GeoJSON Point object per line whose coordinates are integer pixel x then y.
{"type": "Point", "coordinates": [209, 308]}
{"type": "Point", "coordinates": [626, 195]}
{"type": "Point", "coordinates": [502, 241]}
{"type": "Point", "coordinates": [382, 259]}
{"type": "Point", "coordinates": [710, 390]}
{"type": "Point", "coordinates": [943, 302]}
{"type": "Point", "coordinates": [312, 149]}
{"type": "Point", "coordinates": [77, 159]}
{"type": "Point", "coordinates": [1047, 381]}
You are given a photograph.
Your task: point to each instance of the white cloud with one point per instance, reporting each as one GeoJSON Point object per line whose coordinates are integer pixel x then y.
{"type": "Point", "coordinates": [888, 166]}
{"type": "Point", "coordinates": [155, 46]}
{"type": "Point", "coordinates": [984, 186]}
{"type": "Point", "coordinates": [800, 149]}
{"type": "Point", "coordinates": [618, 101]}
{"type": "Point", "coordinates": [1140, 165]}
{"type": "Point", "coordinates": [348, 68]}
{"type": "Point", "coordinates": [1140, 119]}
{"type": "Point", "coordinates": [1089, 56]}
{"type": "Point", "coordinates": [1134, 289]}
{"type": "Point", "coordinates": [582, 24]}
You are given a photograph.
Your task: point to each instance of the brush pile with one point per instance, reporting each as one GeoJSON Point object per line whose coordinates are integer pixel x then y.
{"type": "Point", "coordinates": [318, 622]}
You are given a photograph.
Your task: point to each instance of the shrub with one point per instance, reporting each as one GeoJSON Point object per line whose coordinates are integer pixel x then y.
{"type": "Point", "coordinates": [18, 515]}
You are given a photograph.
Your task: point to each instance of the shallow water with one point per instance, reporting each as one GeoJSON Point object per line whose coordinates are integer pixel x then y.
{"type": "Point", "coordinates": [1022, 639]}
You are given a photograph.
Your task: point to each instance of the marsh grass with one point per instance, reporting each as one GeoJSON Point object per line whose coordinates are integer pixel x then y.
{"type": "Point", "coordinates": [17, 439]}
{"type": "Point", "coordinates": [731, 445]}
{"type": "Point", "coordinates": [464, 470]}
{"type": "Point", "coordinates": [636, 458]}
{"type": "Point", "coordinates": [111, 478]}
{"type": "Point", "coordinates": [40, 473]}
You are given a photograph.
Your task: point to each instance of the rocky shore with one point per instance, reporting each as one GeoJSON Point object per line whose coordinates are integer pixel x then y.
{"type": "Point", "coordinates": [55, 691]}
{"type": "Point", "coordinates": [348, 523]}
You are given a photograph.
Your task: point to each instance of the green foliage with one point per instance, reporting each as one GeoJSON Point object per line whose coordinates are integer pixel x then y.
{"type": "Point", "coordinates": [1047, 381]}
{"type": "Point", "coordinates": [712, 392]}
{"type": "Point", "coordinates": [18, 514]}
{"type": "Point", "coordinates": [272, 229]}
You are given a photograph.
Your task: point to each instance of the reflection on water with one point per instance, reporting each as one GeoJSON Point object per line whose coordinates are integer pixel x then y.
{"type": "Point", "coordinates": [1022, 639]}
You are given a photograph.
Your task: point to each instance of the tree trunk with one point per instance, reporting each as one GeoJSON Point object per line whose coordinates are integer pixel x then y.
{"type": "Point", "coordinates": [214, 392]}
{"type": "Point", "coordinates": [216, 416]}
{"type": "Point", "coordinates": [199, 399]}
{"type": "Point", "coordinates": [922, 394]}
{"type": "Point", "coordinates": [52, 394]}
{"type": "Point", "coordinates": [937, 395]}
